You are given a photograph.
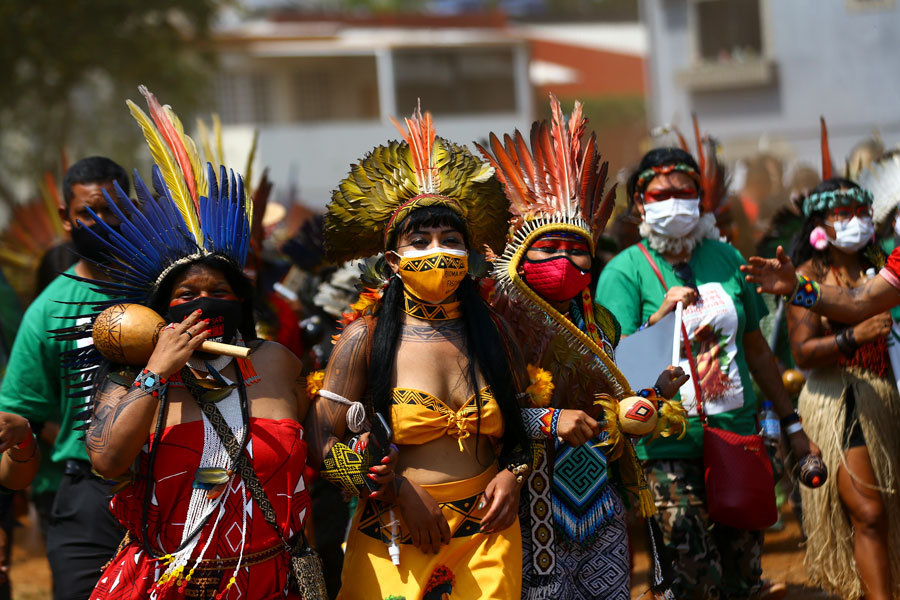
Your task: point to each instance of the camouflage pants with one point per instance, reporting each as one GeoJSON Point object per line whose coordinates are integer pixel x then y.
{"type": "Point", "coordinates": [710, 561]}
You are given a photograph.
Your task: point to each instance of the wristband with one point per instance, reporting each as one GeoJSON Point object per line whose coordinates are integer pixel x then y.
{"type": "Point", "coordinates": [653, 394]}
{"type": "Point", "coordinates": [554, 425]}
{"type": "Point", "coordinates": [538, 422]}
{"type": "Point", "coordinates": [806, 293]}
{"type": "Point", "coordinates": [151, 383]}
{"type": "Point", "coordinates": [23, 445]}
{"type": "Point", "coordinates": [794, 417]}
{"type": "Point", "coordinates": [793, 428]}
{"type": "Point", "coordinates": [521, 471]}
{"type": "Point", "coordinates": [846, 342]}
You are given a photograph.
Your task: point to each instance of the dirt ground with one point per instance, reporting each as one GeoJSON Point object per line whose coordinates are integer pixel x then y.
{"type": "Point", "coordinates": [782, 561]}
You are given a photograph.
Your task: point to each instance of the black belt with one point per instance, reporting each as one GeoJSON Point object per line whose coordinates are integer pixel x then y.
{"type": "Point", "coordinates": [76, 467]}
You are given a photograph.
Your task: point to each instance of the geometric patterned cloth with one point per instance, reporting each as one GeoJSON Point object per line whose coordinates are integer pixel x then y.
{"type": "Point", "coordinates": [582, 500]}
{"type": "Point", "coordinates": [278, 454]}
{"type": "Point", "coordinates": [596, 570]}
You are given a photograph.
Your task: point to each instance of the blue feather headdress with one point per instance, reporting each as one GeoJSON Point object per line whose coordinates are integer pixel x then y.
{"type": "Point", "coordinates": [193, 214]}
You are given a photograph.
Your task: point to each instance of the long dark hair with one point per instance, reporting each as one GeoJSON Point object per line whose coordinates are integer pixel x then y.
{"type": "Point", "coordinates": [484, 347]}
{"type": "Point", "coordinates": [802, 250]}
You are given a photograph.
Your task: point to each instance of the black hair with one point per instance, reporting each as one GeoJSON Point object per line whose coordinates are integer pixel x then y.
{"type": "Point", "coordinates": [803, 251]}
{"type": "Point", "coordinates": [429, 216]}
{"type": "Point", "coordinates": [239, 282]}
{"type": "Point", "coordinates": [93, 169]}
{"type": "Point", "coordinates": [660, 157]}
{"type": "Point", "coordinates": [485, 346]}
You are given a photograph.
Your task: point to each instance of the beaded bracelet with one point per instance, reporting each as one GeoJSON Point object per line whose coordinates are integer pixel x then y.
{"type": "Point", "coordinates": [151, 383]}
{"type": "Point", "coordinates": [554, 424]}
{"type": "Point", "coordinates": [806, 293]}
{"type": "Point", "coordinates": [653, 393]}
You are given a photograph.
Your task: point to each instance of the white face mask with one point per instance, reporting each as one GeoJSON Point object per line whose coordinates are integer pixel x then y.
{"type": "Point", "coordinates": [897, 226]}
{"type": "Point", "coordinates": [675, 217]}
{"type": "Point", "coordinates": [852, 235]}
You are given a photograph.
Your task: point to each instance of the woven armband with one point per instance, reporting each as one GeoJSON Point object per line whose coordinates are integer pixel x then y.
{"type": "Point", "coordinates": [806, 293]}
{"type": "Point", "coordinates": [346, 469]}
{"type": "Point", "coordinates": [540, 423]}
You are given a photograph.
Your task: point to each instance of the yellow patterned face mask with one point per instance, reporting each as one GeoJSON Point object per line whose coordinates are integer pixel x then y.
{"type": "Point", "coordinates": [433, 275]}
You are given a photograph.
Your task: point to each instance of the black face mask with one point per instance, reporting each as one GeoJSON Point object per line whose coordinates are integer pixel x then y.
{"type": "Point", "coordinates": [224, 316]}
{"type": "Point", "coordinates": [89, 246]}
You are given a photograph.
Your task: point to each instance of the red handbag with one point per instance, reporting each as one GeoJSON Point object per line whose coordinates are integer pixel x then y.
{"type": "Point", "coordinates": [740, 485]}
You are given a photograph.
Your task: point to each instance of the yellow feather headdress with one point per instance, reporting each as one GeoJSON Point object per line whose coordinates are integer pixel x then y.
{"type": "Point", "coordinates": [394, 180]}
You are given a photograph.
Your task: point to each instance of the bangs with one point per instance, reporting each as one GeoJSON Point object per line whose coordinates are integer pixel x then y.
{"type": "Point", "coordinates": [430, 216]}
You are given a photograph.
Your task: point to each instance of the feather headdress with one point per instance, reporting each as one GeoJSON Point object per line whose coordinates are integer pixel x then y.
{"type": "Point", "coordinates": [882, 178]}
{"type": "Point", "coordinates": [556, 185]}
{"type": "Point", "coordinates": [190, 214]}
{"type": "Point", "coordinates": [394, 180]}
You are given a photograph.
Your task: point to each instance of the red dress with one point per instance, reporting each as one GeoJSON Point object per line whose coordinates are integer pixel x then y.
{"type": "Point", "coordinates": [278, 453]}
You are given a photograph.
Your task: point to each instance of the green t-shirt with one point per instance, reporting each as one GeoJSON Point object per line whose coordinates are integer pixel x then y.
{"type": "Point", "coordinates": [730, 307]}
{"type": "Point", "coordinates": [34, 385]}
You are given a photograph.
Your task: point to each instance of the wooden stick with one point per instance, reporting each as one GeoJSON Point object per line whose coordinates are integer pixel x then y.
{"type": "Point", "coordinates": [225, 349]}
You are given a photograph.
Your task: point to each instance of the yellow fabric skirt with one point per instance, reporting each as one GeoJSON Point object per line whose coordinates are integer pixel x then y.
{"type": "Point", "coordinates": [483, 566]}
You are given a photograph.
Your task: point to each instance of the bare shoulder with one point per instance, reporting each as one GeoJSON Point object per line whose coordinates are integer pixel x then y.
{"type": "Point", "coordinates": [272, 355]}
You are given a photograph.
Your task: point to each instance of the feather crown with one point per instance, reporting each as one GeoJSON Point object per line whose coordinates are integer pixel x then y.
{"type": "Point", "coordinates": [556, 186]}
{"type": "Point", "coordinates": [398, 178]}
{"type": "Point", "coordinates": [558, 180]}
{"type": "Point", "coordinates": [191, 214]}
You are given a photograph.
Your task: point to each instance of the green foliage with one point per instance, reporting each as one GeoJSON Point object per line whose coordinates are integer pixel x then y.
{"type": "Point", "coordinates": [69, 65]}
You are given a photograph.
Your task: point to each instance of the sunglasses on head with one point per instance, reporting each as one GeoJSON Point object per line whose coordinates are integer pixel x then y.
{"type": "Point", "coordinates": [685, 273]}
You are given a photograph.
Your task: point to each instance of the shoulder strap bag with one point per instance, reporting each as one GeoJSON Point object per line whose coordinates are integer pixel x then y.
{"type": "Point", "coordinates": [740, 487]}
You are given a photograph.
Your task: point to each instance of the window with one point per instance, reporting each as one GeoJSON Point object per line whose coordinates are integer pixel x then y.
{"type": "Point", "coordinates": [334, 88]}
{"type": "Point", "coordinates": [728, 30]}
{"type": "Point", "coordinates": [243, 98]}
{"type": "Point", "coordinates": [455, 80]}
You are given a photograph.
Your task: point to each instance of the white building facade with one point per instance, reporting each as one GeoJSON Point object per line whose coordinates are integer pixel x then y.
{"type": "Point", "coordinates": [758, 73]}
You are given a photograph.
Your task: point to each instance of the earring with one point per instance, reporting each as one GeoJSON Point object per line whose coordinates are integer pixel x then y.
{"type": "Point", "coordinates": [818, 239]}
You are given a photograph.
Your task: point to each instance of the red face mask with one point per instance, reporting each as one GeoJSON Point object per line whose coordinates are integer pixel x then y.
{"type": "Point", "coordinates": [555, 279]}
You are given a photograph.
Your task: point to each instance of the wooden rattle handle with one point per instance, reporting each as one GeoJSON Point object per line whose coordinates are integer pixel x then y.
{"type": "Point", "coordinates": [225, 349]}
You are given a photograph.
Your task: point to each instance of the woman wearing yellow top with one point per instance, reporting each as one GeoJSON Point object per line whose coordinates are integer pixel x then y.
{"type": "Point", "coordinates": [433, 361]}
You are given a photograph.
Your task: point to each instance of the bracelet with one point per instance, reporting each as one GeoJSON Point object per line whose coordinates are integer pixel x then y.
{"type": "Point", "coordinates": [794, 417]}
{"type": "Point", "coordinates": [538, 422]}
{"type": "Point", "coordinates": [846, 342]}
{"type": "Point", "coordinates": [653, 394]}
{"type": "Point", "coordinates": [23, 445]}
{"type": "Point", "coordinates": [793, 428]}
{"type": "Point", "coordinates": [151, 383]}
{"type": "Point", "coordinates": [521, 471]}
{"type": "Point", "coordinates": [554, 424]}
{"type": "Point", "coordinates": [806, 293]}
{"type": "Point", "coordinates": [30, 456]}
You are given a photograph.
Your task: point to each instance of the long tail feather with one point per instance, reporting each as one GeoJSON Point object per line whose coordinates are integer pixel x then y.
{"type": "Point", "coordinates": [826, 152]}
{"type": "Point", "coordinates": [170, 134]}
{"type": "Point", "coordinates": [169, 170]}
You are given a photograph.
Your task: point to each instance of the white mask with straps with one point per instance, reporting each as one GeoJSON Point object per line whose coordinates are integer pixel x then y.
{"type": "Point", "coordinates": [674, 218]}
{"type": "Point", "coordinates": [854, 234]}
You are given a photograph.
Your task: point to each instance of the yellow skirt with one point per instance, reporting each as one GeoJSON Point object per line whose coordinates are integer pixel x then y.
{"type": "Point", "coordinates": [482, 566]}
